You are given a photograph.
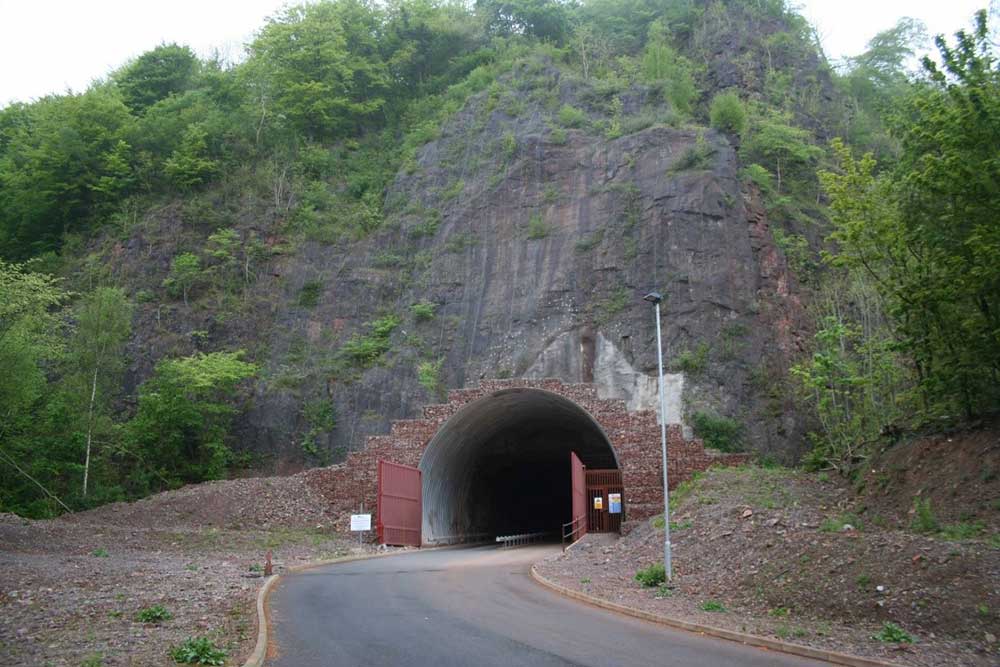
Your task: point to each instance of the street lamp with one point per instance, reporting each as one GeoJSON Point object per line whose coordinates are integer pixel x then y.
{"type": "Point", "coordinates": [655, 298]}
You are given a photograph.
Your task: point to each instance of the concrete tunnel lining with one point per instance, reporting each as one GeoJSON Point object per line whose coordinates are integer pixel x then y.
{"type": "Point", "coordinates": [501, 463]}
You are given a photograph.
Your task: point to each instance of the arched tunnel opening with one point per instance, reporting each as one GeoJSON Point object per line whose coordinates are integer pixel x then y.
{"type": "Point", "coordinates": [501, 466]}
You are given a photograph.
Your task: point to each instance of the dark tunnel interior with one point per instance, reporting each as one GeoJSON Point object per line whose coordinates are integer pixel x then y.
{"type": "Point", "coordinates": [501, 466]}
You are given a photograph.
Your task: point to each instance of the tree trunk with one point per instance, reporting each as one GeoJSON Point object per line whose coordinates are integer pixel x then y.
{"type": "Point", "coordinates": [90, 431]}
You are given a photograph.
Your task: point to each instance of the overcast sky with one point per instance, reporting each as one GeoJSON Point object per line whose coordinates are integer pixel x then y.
{"type": "Point", "coordinates": [49, 46]}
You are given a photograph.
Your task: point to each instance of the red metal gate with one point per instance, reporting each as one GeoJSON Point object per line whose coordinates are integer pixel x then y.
{"type": "Point", "coordinates": [400, 512]}
{"type": "Point", "coordinates": [577, 528]}
{"type": "Point", "coordinates": [601, 484]}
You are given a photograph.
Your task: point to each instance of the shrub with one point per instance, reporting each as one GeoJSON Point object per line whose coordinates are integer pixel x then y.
{"type": "Point", "coordinates": [727, 113]}
{"type": "Point", "coordinates": [558, 136]}
{"type": "Point", "coordinates": [718, 432]}
{"type": "Point", "coordinates": [365, 350]}
{"type": "Point", "coordinates": [423, 311]}
{"type": "Point", "coordinates": [571, 117]}
{"type": "Point", "coordinates": [429, 375]}
{"type": "Point", "coordinates": [198, 651]}
{"type": "Point", "coordinates": [924, 520]}
{"type": "Point", "coordinates": [652, 576]}
{"type": "Point", "coordinates": [154, 614]}
{"type": "Point", "coordinates": [537, 229]}
{"type": "Point", "coordinates": [309, 294]}
{"type": "Point", "coordinates": [696, 157]}
{"type": "Point", "coordinates": [893, 634]}
{"type": "Point", "coordinates": [694, 361]}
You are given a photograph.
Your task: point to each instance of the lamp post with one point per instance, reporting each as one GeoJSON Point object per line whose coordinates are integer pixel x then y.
{"type": "Point", "coordinates": [655, 298]}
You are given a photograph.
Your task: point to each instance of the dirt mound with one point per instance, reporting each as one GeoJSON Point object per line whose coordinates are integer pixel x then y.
{"type": "Point", "coordinates": [254, 502]}
{"type": "Point", "coordinates": [958, 473]}
{"type": "Point", "coordinates": [787, 554]}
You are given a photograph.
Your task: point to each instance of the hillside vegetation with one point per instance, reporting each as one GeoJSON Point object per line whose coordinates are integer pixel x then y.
{"type": "Point", "coordinates": [154, 228]}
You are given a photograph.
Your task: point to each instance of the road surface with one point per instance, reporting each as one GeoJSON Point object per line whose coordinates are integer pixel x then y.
{"type": "Point", "coordinates": [461, 607]}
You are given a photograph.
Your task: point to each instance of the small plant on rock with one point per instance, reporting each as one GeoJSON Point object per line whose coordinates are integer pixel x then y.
{"type": "Point", "coordinates": [893, 634]}
{"type": "Point", "coordinates": [652, 576]}
{"type": "Point", "coordinates": [198, 651]}
{"type": "Point", "coordinates": [155, 614]}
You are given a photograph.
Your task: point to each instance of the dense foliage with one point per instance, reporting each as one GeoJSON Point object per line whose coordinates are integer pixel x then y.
{"type": "Point", "coordinates": [913, 333]}
{"type": "Point", "coordinates": [334, 99]}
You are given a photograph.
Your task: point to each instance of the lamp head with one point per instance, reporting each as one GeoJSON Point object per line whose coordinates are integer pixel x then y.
{"type": "Point", "coordinates": [653, 297]}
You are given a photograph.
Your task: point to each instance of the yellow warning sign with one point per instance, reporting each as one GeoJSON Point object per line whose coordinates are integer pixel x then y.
{"type": "Point", "coordinates": [598, 503]}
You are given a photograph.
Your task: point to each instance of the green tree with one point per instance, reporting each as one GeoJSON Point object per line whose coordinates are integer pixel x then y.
{"type": "Point", "coordinates": [182, 424]}
{"type": "Point", "coordinates": [727, 113]}
{"type": "Point", "coordinates": [30, 342]}
{"type": "Point", "coordinates": [185, 274]}
{"type": "Point", "coordinates": [662, 65]}
{"type": "Point", "coordinates": [167, 70]}
{"type": "Point", "coordinates": [62, 161]}
{"type": "Point", "coordinates": [190, 164]}
{"type": "Point", "coordinates": [784, 149]}
{"type": "Point", "coordinates": [319, 66]}
{"type": "Point", "coordinates": [104, 323]}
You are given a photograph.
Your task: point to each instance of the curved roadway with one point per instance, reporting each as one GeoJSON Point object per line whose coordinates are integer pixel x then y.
{"type": "Point", "coordinates": [464, 607]}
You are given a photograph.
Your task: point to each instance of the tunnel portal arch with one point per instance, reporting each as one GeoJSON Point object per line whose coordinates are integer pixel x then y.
{"type": "Point", "coordinates": [500, 464]}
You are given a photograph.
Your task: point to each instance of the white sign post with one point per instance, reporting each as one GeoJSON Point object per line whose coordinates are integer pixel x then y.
{"type": "Point", "coordinates": [361, 524]}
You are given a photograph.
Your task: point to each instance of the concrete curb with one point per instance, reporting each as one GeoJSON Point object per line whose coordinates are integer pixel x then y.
{"type": "Point", "coordinates": [720, 633]}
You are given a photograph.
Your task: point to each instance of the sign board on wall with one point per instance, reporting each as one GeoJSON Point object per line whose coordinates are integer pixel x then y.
{"type": "Point", "coordinates": [615, 503]}
{"type": "Point", "coordinates": [598, 503]}
{"type": "Point", "coordinates": [361, 522]}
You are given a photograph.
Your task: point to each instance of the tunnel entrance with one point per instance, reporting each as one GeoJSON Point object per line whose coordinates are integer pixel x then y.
{"type": "Point", "coordinates": [500, 465]}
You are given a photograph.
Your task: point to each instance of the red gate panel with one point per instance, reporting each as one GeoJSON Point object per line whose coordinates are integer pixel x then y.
{"type": "Point", "coordinates": [601, 484]}
{"type": "Point", "coordinates": [400, 513]}
{"type": "Point", "coordinates": [579, 490]}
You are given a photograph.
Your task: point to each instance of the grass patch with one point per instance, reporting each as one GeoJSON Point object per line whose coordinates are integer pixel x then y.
{"type": "Point", "coordinates": [713, 605]}
{"type": "Point", "coordinates": [651, 576]}
{"type": "Point", "coordinates": [893, 634]}
{"type": "Point", "coordinates": [961, 531]}
{"type": "Point", "coordinates": [198, 651]}
{"type": "Point", "coordinates": [836, 524]}
{"type": "Point", "coordinates": [99, 553]}
{"type": "Point", "coordinates": [155, 614]}
{"type": "Point", "coordinates": [694, 158]}
{"type": "Point", "coordinates": [457, 243]}
{"type": "Point", "coordinates": [591, 242]}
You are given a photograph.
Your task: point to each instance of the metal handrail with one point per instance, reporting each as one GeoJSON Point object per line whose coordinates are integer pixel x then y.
{"type": "Point", "coordinates": [565, 535]}
{"type": "Point", "coordinates": [523, 538]}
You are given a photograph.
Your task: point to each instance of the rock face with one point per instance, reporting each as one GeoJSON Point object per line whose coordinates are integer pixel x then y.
{"type": "Point", "coordinates": [535, 247]}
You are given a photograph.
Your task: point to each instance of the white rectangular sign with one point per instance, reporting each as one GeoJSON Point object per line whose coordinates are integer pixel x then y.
{"type": "Point", "coordinates": [361, 522]}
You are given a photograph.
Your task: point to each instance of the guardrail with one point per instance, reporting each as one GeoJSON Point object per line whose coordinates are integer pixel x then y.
{"type": "Point", "coordinates": [506, 541]}
{"type": "Point", "coordinates": [581, 525]}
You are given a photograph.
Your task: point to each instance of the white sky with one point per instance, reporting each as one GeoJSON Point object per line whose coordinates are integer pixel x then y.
{"type": "Point", "coordinates": [51, 46]}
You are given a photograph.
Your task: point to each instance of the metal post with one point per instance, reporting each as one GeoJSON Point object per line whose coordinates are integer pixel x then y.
{"type": "Point", "coordinates": [656, 298]}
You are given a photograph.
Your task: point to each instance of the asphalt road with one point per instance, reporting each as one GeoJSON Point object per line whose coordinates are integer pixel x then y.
{"type": "Point", "coordinates": [469, 607]}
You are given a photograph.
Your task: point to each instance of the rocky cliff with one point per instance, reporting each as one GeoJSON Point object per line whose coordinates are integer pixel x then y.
{"type": "Point", "coordinates": [518, 243]}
